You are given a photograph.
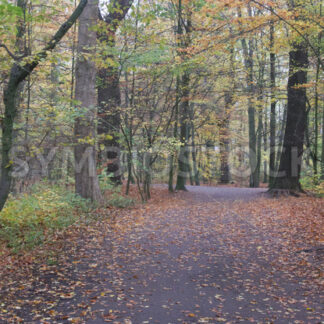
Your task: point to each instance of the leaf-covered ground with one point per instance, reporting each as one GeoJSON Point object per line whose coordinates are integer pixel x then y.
{"type": "Point", "coordinates": [196, 257]}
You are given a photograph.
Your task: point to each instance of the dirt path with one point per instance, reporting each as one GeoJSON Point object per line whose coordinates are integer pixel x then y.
{"type": "Point", "coordinates": [192, 260]}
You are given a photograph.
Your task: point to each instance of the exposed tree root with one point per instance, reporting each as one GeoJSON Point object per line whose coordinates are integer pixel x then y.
{"type": "Point", "coordinates": [277, 193]}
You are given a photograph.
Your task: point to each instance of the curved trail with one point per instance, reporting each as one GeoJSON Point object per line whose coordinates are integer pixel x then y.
{"type": "Point", "coordinates": [193, 260]}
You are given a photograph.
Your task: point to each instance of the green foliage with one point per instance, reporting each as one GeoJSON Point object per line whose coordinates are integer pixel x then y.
{"type": "Point", "coordinates": [119, 201]}
{"type": "Point", "coordinates": [116, 199]}
{"type": "Point", "coordinates": [8, 14]}
{"type": "Point", "coordinates": [27, 220]}
{"type": "Point", "coordinates": [158, 54]}
{"type": "Point", "coordinates": [106, 183]}
{"type": "Point", "coordinates": [314, 184]}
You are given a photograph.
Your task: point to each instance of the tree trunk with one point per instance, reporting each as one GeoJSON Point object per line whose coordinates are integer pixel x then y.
{"type": "Point", "coordinates": [259, 149]}
{"type": "Point", "coordinates": [291, 157]}
{"type": "Point", "coordinates": [194, 153]}
{"type": "Point", "coordinates": [248, 62]}
{"type": "Point", "coordinates": [128, 136]}
{"type": "Point", "coordinates": [316, 121]}
{"type": "Point", "coordinates": [272, 156]}
{"type": "Point", "coordinates": [251, 118]}
{"type": "Point", "coordinates": [109, 96]}
{"type": "Point", "coordinates": [109, 100]}
{"type": "Point", "coordinates": [86, 180]}
{"type": "Point", "coordinates": [265, 145]}
{"type": "Point", "coordinates": [175, 134]}
{"type": "Point", "coordinates": [183, 158]}
{"type": "Point", "coordinates": [184, 111]}
{"type": "Point", "coordinates": [225, 127]}
{"type": "Point", "coordinates": [310, 154]}
{"type": "Point", "coordinates": [261, 73]}
{"type": "Point", "coordinates": [224, 141]}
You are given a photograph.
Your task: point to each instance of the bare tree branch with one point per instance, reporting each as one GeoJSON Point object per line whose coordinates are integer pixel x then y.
{"type": "Point", "coordinates": [15, 57]}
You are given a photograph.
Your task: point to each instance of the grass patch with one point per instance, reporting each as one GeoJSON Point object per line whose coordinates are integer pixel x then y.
{"type": "Point", "coordinates": [27, 220]}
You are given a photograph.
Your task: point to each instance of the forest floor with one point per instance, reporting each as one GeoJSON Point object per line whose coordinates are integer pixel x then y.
{"type": "Point", "coordinates": [205, 256]}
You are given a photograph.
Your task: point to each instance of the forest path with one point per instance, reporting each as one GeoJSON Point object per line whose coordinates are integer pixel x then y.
{"type": "Point", "coordinates": [192, 258]}
{"type": "Point", "coordinates": [218, 194]}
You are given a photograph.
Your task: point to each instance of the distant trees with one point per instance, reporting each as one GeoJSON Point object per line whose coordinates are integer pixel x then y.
{"type": "Point", "coordinates": [19, 71]}
{"type": "Point", "coordinates": [166, 91]}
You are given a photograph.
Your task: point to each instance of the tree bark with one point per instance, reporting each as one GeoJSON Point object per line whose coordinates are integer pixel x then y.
{"type": "Point", "coordinates": [109, 96]}
{"type": "Point", "coordinates": [109, 100]}
{"type": "Point", "coordinates": [86, 180]}
{"type": "Point", "coordinates": [184, 108]}
{"type": "Point", "coordinates": [224, 141]}
{"type": "Point", "coordinates": [272, 155]}
{"type": "Point", "coordinates": [259, 148]}
{"type": "Point", "coordinates": [316, 121]}
{"type": "Point", "coordinates": [225, 126]}
{"type": "Point", "coordinates": [248, 62]}
{"type": "Point", "coordinates": [265, 145]}
{"type": "Point", "coordinates": [291, 157]}
{"type": "Point", "coordinates": [175, 134]}
{"type": "Point", "coordinates": [281, 136]}
{"type": "Point", "coordinates": [183, 159]}
{"type": "Point", "coordinates": [194, 152]}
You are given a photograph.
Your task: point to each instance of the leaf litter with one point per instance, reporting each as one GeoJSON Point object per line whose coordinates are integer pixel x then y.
{"type": "Point", "coordinates": [177, 259]}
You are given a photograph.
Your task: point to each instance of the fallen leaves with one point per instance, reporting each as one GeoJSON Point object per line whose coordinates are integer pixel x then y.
{"type": "Point", "coordinates": [67, 295]}
{"type": "Point", "coordinates": [183, 259]}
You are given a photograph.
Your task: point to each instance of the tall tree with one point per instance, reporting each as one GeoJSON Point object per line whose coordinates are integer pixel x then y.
{"type": "Point", "coordinates": [224, 133]}
{"type": "Point", "coordinates": [260, 85]}
{"type": "Point", "coordinates": [316, 104]}
{"type": "Point", "coordinates": [193, 148]}
{"type": "Point", "coordinates": [272, 160]}
{"type": "Point", "coordinates": [248, 52]}
{"type": "Point", "coordinates": [184, 39]}
{"type": "Point", "coordinates": [225, 121]}
{"type": "Point", "coordinates": [86, 180]}
{"type": "Point", "coordinates": [288, 175]}
{"type": "Point", "coordinates": [109, 96]}
{"type": "Point", "coordinates": [18, 73]}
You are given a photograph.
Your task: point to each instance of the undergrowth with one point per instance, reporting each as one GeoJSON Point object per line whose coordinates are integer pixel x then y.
{"type": "Point", "coordinates": [27, 220]}
{"type": "Point", "coordinates": [114, 192]}
{"type": "Point", "coordinates": [313, 184]}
